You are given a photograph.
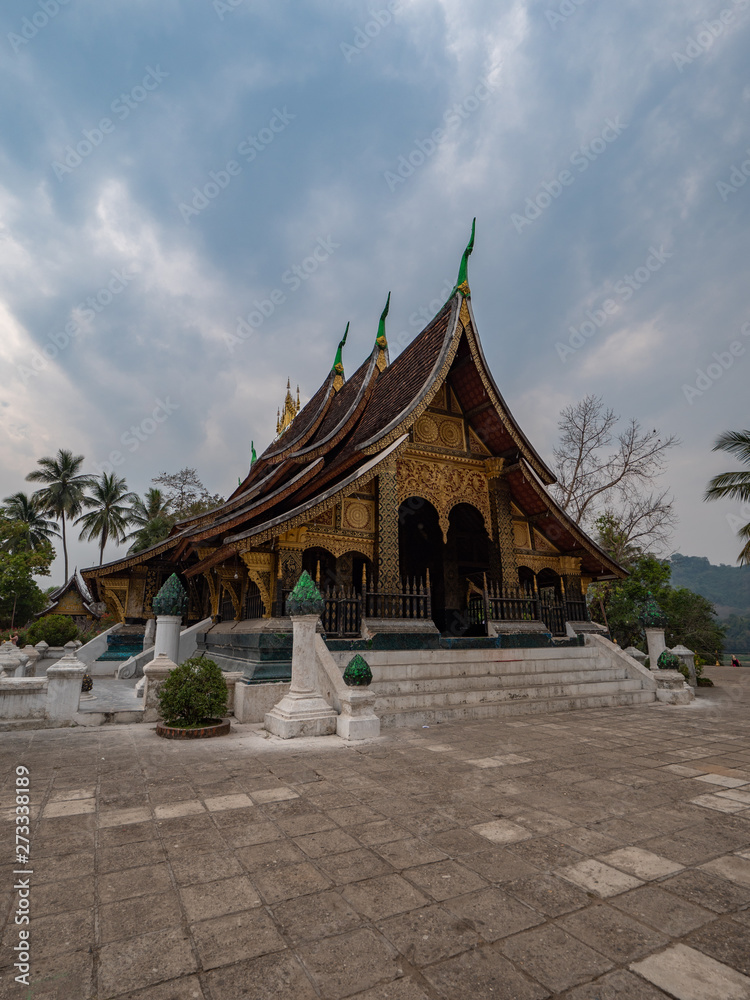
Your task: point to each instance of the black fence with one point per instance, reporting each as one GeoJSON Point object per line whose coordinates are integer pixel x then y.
{"type": "Point", "coordinates": [345, 607]}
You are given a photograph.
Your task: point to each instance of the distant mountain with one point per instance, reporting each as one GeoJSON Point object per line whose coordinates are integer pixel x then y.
{"type": "Point", "coordinates": [727, 586]}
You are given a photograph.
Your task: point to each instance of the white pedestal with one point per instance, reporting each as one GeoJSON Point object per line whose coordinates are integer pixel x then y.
{"type": "Point", "coordinates": [302, 712]}
{"type": "Point", "coordinates": [167, 639]}
{"type": "Point", "coordinates": [656, 645]}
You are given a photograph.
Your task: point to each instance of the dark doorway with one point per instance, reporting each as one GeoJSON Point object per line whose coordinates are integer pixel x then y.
{"type": "Point", "coordinates": [420, 544]}
{"type": "Point", "coordinates": [467, 560]}
{"type": "Point", "coordinates": [321, 565]}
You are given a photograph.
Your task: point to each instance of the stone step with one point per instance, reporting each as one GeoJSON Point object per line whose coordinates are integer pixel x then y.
{"type": "Point", "coordinates": [439, 699]}
{"type": "Point", "coordinates": [433, 716]}
{"type": "Point", "coordinates": [384, 685]}
{"type": "Point", "coordinates": [495, 668]}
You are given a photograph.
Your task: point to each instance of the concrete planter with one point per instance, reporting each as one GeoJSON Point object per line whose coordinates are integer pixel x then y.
{"type": "Point", "coordinates": [219, 727]}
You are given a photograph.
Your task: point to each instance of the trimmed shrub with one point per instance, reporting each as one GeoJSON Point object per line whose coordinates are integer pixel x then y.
{"type": "Point", "coordinates": [193, 694]}
{"type": "Point", "coordinates": [55, 630]}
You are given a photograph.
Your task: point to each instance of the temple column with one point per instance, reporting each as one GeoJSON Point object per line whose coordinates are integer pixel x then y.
{"type": "Point", "coordinates": [388, 556]}
{"type": "Point", "coordinates": [502, 547]}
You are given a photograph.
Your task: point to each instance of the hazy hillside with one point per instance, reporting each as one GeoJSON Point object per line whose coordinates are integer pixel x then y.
{"type": "Point", "coordinates": [727, 586]}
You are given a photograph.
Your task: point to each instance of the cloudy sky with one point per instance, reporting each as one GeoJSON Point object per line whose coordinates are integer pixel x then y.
{"type": "Point", "coordinates": [170, 169]}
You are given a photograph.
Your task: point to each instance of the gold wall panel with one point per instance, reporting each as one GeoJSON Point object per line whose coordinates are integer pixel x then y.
{"type": "Point", "coordinates": [444, 485]}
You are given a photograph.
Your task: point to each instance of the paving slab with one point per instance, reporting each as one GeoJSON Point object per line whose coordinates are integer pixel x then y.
{"type": "Point", "coordinates": [687, 974]}
{"type": "Point", "coordinates": [394, 868]}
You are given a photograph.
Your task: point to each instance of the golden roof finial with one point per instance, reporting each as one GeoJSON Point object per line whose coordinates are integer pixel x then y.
{"type": "Point", "coordinates": [290, 410]}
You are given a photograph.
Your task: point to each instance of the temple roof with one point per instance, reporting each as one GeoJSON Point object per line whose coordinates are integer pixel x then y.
{"type": "Point", "coordinates": [349, 426]}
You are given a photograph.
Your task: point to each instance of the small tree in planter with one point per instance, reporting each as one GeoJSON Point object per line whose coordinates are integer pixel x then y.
{"type": "Point", "coordinates": [194, 695]}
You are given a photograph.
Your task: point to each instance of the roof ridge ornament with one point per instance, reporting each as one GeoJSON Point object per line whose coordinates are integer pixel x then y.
{"type": "Point", "coordinates": [338, 362]}
{"type": "Point", "coordinates": [381, 340]}
{"type": "Point", "coordinates": [285, 417]}
{"type": "Point", "coordinates": [462, 283]}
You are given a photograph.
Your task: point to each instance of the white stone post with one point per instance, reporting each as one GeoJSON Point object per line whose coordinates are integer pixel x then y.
{"type": "Point", "coordinates": [155, 673]}
{"type": "Point", "coordinates": [64, 680]}
{"type": "Point", "coordinates": [148, 637]}
{"type": "Point", "coordinates": [303, 711]}
{"type": "Point", "coordinates": [167, 641]}
{"type": "Point", "coordinates": [10, 661]}
{"type": "Point", "coordinates": [688, 658]}
{"type": "Point", "coordinates": [656, 645]}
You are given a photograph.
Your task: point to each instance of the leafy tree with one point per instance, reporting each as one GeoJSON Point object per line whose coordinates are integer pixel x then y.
{"type": "Point", "coordinates": [737, 637]}
{"type": "Point", "coordinates": [605, 472]}
{"type": "Point", "coordinates": [691, 618]}
{"type": "Point", "coordinates": [20, 596]}
{"type": "Point", "coordinates": [108, 516]}
{"type": "Point", "coordinates": [26, 512]}
{"type": "Point", "coordinates": [734, 485]}
{"type": "Point", "coordinates": [186, 494]}
{"type": "Point", "coordinates": [152, 514]}
{"type": "Point", "coordinates": [63, 490]}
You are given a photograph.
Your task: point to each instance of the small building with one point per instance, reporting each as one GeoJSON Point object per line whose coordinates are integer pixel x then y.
{"type": "Point", "coordinates": [407, 490]}
{"type": "Point", "coordinates": [75, 600]}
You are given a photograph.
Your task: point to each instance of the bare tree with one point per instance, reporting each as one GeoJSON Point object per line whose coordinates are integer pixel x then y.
{"type": "Point", "coordinates": [185, 494]}
{"type": "Point", "coordinates": [606, 473]}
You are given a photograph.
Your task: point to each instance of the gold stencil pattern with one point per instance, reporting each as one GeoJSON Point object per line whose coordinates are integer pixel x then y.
{"type": "Point", "coordinates": [444, 485]}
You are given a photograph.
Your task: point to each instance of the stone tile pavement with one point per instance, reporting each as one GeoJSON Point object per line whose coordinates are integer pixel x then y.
{"type": "Point", "coordinates": [593, 855]}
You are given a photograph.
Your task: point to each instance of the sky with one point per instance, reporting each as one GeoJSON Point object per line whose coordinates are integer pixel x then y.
{"type": "Point", "coordinates": [197, 196]}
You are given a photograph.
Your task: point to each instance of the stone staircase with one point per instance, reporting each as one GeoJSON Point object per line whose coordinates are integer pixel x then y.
{"type": "Point", "coordinates": [418, 688]}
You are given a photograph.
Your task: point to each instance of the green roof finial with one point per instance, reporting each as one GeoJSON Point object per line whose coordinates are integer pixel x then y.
{"type": "Point", "coordinates": [253, 456]}
{"type": "Point", "coordinates": [462, 284]}
{"type": "Point", "coordinates": [338, 363]}
{"type": "Point", "coordinates": [381, 340]}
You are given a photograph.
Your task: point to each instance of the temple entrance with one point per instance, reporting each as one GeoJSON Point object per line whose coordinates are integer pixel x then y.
{"type": "Point", "coordinates": [456, 568]}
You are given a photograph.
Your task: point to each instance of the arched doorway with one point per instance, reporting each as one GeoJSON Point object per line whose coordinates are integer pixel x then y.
{"type": "Point", "coordinates": [466, 561]}
{"type": "Point", "coordinates": [420, 545]}
{"type": "Point", "coordinates": [321, 565]}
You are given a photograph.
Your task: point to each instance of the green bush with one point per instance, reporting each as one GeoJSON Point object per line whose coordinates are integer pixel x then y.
{"type": "Point", "coordinates": [55, 630]}
{"type": "Point", "coordinates": [194, 694]}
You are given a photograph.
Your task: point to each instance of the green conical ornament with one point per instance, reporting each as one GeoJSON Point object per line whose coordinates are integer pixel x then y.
{"type": "Point", "coordinates": [651, 615]}
{"type": "Point", "coordinates": [338, 361]}
{"type": "Point", "coordinates": [305, 599]}
{"type": "Point", "coordinates": [462, 284]}
{"type": "Point", "coordinates": [358, 673]}
{"type": "Point", "coordinates": [668, 661]}
{"type": "Point", "coordinates": [381, 340]}
{"type": "Point", "coordinates": [253, 456]}
{"type": "Point", "coordinates": [172, 599]}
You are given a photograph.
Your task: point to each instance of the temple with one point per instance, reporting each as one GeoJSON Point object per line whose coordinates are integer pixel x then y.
{"type": "Point", "coordinates": [407, 490]}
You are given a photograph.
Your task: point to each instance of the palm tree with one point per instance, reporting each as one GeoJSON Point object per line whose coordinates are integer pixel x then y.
{"type": "Point", "coordinates": [25, 513]}
{"type": "Point", "coordinates": [107, 516]}
{"type": "Point", "coordinates": [63, 490]}
{"type": "Point", "coordinates": [152, 515]}
{"type": "Point", "coordinates": [734, 485]}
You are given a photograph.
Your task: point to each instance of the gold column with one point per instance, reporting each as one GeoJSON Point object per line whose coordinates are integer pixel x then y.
{"type": "Point", "coordinates": [502, 521]}
{"type": "Point", "coordinates": [388, 555]}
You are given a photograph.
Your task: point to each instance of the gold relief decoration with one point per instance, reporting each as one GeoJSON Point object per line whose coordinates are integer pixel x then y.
{"type": "Point", "coordinates": [455, 406]}
{"type": "Point", "coordinates": [465, 315]}
{"type": "Point", "coordinates": [358, 514]}
{"type": "Point", "coordinates": [543, 544]}
{"type": "Point", "coordinates": [339, 545]}
{"type": "Point", "coordinates": [234, 589]}
{"type": "Point", "coordinates": [440, 400]}
{"type": "Point", "coordinates": [116, 599]}
{"type": "Point", "coordinates": [444, 485]}
{"type": "Point", "coordinates": [260, 570]}
{"type": "Point", "coordinates": [476, 446]}
{"type": "Point", "coordinates": [521, 535]}
{"type": "Point", "coordinates": [570, 565]}
{"type": "Point", "coordinates": [426, 430]}
{"type": "Point", "coordinates": [537, 562]}
{"type": "Point", "coordinates": [214, 591]}
{"type": "Point", "coordinates": [325, 518]}
{"type": "Point", "coordinates": [494, 467]}
{"type": "Point", "coordinates": [294, 538]}
{"type": "Point", "coordinates": [388, 504]}
{"type": "Point", "coordinates": [517, 512]}
{"type": "Point", "coordinates": [451, 434]}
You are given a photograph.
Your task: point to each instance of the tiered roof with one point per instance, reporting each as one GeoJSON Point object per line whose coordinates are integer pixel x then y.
{"type": "Point", "coordinates": [350, 426]}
